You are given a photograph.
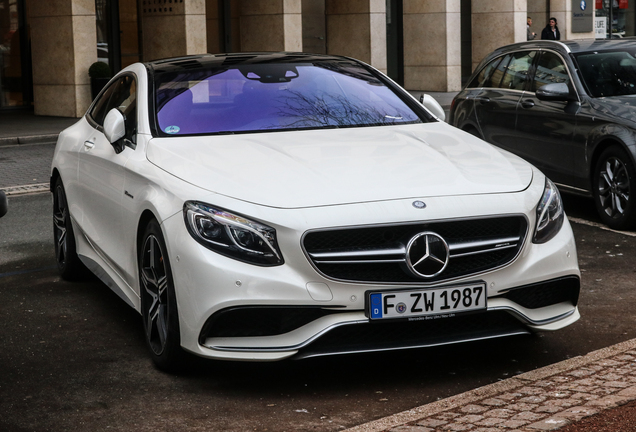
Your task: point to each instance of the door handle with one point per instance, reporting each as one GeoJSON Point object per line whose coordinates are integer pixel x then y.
{"type": "Point", "coordinates": [482, 100]}
{"type": "Point", "coordinates": [88, 145]}
{"type": "Point", "coordinates": [527, 104]}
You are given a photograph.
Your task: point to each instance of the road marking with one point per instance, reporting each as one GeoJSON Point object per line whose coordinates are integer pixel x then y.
{"type": "Point", "coordinates": [601, 226]}
{"type": "Point", "coordinates": [27, 189]}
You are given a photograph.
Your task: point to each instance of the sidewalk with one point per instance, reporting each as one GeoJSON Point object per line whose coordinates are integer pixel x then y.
{"type": "Point", "coordinates": [545, 399]}
{"type": "Point", "coordinates": [555, 397]}
{"type": "Point", "coordinates": [27, 143]}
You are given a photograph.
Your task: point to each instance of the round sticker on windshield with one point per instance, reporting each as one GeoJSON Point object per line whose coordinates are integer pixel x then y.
{"type": "Point", "coordinates": [172, 129]}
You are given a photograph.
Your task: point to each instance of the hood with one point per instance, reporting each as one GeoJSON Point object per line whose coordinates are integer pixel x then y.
{"type": "Point", "coordinates": [616, 107]}
{"type": "Point", "coordinates": [341, 166]}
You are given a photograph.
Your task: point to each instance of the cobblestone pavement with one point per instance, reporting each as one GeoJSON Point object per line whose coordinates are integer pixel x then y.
{"type": "Point", "coordinates": [542, 400]}
{"type": "Point", "coordinates": [27, 164]}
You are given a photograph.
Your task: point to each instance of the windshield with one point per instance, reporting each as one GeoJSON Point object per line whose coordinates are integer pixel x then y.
{"type": "Point", "coordinates": [608, 73]}
{"type": "Point", "coordinates": [275, 96]}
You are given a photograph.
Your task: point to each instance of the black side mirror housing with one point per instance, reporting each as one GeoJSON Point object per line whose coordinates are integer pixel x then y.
{"type": "Point", "coordinates": [554, 92]}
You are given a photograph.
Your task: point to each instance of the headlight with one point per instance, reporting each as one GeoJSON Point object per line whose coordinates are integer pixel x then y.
{"type": "Point", "coordinates": [549, 214]}
{"type": "Point", "coordinates": [232, 235]}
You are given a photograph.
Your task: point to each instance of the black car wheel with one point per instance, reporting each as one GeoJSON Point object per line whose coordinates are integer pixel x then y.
{"type": "Point", "coordinates": [68, 263]}
{"type": "Point", "coordinates": [614, 186]}
{"type": "Point", "coordinates": [158, 301]}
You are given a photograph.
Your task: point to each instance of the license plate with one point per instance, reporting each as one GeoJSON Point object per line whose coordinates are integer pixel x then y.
{"type": "Point", "coordinates": [418, 303]}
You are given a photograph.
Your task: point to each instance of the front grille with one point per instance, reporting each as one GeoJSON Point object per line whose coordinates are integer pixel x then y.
{"type": "Point", "coordinates": [546, 293]}
{"type": "Point", "coordinates": [400, 334]}
{"type": "Point", "coordinates": [378, 254]}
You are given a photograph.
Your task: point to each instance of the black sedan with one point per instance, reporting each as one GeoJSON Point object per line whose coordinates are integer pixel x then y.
{"type": "Point", "coordinates": [568, 107]}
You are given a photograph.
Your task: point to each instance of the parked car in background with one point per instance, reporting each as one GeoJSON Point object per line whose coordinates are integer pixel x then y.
{"type": "Point", "coordinates": [270, 206]}
{"type": "Point", "coordinates": [567, 107]}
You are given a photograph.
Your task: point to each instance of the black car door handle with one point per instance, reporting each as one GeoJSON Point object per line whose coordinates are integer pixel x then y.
{"type": "Point", "coordinates": [482, 100]}
{"type": "Point", "coordinates": [527, 104]}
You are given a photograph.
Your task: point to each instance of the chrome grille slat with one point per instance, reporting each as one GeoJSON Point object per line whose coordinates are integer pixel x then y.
{"type": "Point", "coordinates": [368, 261]}
{"type": "Point", "coordinates": [378, 254]}
{"type": "Point", "coordinates": [363, 256]}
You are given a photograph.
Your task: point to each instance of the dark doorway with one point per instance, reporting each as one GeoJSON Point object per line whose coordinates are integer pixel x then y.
{"type": "Point", "coordinates": [118, 35]}
{"type": "Point", "coordinates": [16, 79]}
{"type": "Point", "coordinates": [314, 26]}
{"type": "Point", "coordinates": [466, 24]}
{"type": "Point", "coordinates": [395, 40]}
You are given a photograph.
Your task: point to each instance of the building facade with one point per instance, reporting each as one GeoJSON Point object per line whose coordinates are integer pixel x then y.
{"type": "Point", "coordinates": [49, 45]}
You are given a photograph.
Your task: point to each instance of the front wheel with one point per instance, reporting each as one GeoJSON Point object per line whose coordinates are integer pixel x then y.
{"type": "Point", "coordinates": [614, 188]}
{"type": "Point", "coordinates": [68, 263]}
{"type": "Point", "coordinates": [158, 301]}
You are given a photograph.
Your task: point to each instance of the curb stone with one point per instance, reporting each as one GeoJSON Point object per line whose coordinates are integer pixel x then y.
{"type": "Point", "coordinates": [541, 400]}
{"type": "Point", "coordinates": [33, 139]}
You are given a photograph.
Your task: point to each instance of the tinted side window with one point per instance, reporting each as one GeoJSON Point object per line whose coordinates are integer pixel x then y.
{"type": "Point", "coordinates": [497, 74]}
{"type": "Point", "coordinates": [517, 71]}
{"type": "Point", "coordinates": [121, 94]}
{"type": "Point", "coordinates": [99, 110]}
{"type": "Point", "coordinates": [550, 69]}
{"type": "Point", "coordinates": [483, 78]}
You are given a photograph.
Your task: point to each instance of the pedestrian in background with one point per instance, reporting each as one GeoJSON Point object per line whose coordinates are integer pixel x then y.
{"type": "Point", "coordinates": [551, 31]}
{"type": "Point", "coordinates": [531, 35]}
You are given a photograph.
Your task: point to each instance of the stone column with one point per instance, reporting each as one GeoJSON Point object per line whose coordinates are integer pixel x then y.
{"type": "Point", "coordinates": [173, 29]}
{"type": "Point", "coordinates": [358, 29]}
{"type": "Point", "coordinates": [63, 46]}
{"type": "Point", "coordinates": [271, 25]}
{"type": "Point", "coordinates": [432, 48]}
{"type": "Point", "coordinates": [496, 23]}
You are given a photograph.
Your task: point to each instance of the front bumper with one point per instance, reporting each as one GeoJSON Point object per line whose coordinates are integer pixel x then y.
{"type": "Point", "coordinates": [236, 311]}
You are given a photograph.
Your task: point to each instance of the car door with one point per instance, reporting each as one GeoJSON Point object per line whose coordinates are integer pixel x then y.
{"type": "Point", "coordinates": [545, 129]}
{"type": "Point", "coordinates": [496, 102]}
{"type": "Point", "coordinates": [102, 173]}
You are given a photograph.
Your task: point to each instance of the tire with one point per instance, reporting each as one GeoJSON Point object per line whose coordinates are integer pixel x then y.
{"type": "Point", "coordinates": [614, 188]}
{"type": "Point", "coordinates": [158, 301]}
{"type": "Point", "coordinates": [68, 263]}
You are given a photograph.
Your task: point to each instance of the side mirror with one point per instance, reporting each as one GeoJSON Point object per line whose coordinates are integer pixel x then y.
{"type": "Point", "coordinates": [554, 92]}
{"type": "Point", "coordinates": [433, 106]}
{"type": "Point", "coordinates": [3, 204]}
{"type": "Point", "coordinates": [115, 129]}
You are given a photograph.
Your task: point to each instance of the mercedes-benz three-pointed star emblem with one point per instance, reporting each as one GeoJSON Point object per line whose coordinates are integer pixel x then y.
{"type": "Point", "coordinates": [427, 254]}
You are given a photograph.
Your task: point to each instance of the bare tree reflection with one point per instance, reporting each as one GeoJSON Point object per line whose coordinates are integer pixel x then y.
{"type": "Point", "coordinates": [300, 110]}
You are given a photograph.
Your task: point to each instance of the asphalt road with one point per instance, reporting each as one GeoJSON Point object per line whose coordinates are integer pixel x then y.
{"type": "Point", "coordinates": [72, 355]}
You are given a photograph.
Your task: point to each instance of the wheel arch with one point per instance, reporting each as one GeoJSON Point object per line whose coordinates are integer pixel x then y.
{"type": "Point", "coordinates": [144, 220]}
{"type": "Point", "coordinates": [469, 127]}
{"type": "Point", "coordinates": [54, 176]}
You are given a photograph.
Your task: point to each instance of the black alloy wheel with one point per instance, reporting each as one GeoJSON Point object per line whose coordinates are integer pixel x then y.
{"type": "Point", "coordinates": [158, 301]}
{"type": "Point", "coordinates": [68, 263]}
{"type": "Point", "coordinates": [614, 188]}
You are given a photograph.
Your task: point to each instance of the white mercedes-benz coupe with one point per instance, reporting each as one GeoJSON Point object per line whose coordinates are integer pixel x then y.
{"type": "Point", "coordinates": [271, 206]}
